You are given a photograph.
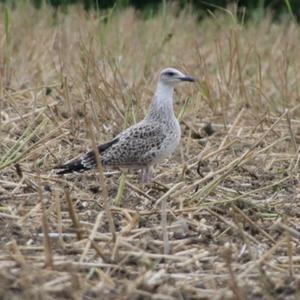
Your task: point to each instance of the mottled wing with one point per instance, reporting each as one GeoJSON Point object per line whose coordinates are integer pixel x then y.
{"type": "Point", "coordinates": [137, 146]}
{"type": "Point", "coordinates": [85, 162]}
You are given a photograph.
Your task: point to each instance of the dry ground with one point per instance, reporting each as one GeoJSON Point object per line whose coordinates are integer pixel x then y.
{"type": "Point", "coordinates": [220, 221]}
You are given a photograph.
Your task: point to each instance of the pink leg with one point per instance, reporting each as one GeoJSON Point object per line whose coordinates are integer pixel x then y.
{"type": "Point", "coordinates": [147, 175]}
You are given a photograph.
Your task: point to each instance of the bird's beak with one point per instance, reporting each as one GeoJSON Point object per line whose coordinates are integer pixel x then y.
{"type": "Point", "coordinates": [187, 78]}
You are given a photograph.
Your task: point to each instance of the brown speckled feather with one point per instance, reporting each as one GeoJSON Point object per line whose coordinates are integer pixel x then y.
{"type": "Point", "coordinates": [137, 146]}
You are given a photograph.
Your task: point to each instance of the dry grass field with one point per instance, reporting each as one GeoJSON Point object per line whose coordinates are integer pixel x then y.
{"type": "Point", "coordinates": [221, 219]}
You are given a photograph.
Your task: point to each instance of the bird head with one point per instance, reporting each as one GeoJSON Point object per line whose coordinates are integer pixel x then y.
{"type": "Point", "coordinates": [171, 76]}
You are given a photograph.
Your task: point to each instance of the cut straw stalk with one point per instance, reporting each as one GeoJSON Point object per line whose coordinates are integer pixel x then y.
{"type": "Point", "coordinates": [45, 227]}
{"type": "Point", "coordinates": [253, 224]}
{"type": "Point", "coordinates": [102, 180]}
{"type": "Point", "coordinates": [59, 220]}
{"type": "Point", "coordinates": [118, 199]}
{"type": "Point", "coordinates": [15, 154]}
{"type": "Point", "coordinates": [233, 283]}
{"type": "Point", "coordinates": [30, 114]}
{"type": "Point", "coordinates": [29, 132]}
{"type": "Point", "coordinates": [249, 154]}
{"type": "Point", "coordinates": [255, 191]}
{"type": "Point", "coordinates": [163, 201]}
{"type": "Point", "coordinates": [164, 225]}
{"type": "Point", "coordinates": [91, 238]}
{"type": "Point", "coordinates": [17, 254]}
{"type": "Point", "coordinates": [232, 225]}
{"type": "Point", "coordinates": [73, 214]}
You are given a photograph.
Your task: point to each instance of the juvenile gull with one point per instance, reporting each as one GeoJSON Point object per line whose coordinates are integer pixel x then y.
{"type": "Point", "coordinates": [145, 143]}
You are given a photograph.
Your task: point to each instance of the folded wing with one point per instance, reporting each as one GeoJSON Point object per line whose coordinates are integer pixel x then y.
{"type": "Point", "coordinates": [136, 146]}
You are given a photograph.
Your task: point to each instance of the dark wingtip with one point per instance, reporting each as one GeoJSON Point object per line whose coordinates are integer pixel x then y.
{"type": "Point", "coordinates": [73, 166]}
{"type": "Point", "coordinates": [77, 166]}
{"type": "Point", "coordinates": [61, 170]}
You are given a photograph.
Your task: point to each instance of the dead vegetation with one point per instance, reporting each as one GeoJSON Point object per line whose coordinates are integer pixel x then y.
{"type": "Point", "coordinates": [221, 220]}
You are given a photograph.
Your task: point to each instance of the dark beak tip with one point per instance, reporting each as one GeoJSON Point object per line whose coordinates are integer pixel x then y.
{"type": "Point", "coordinates": [188, 78]}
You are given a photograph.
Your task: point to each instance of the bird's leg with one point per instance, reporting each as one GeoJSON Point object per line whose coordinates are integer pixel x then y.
{"type": "Point", "coordinates": [147, 174]}
{"type": "Point", "coordinates": [144, 176]}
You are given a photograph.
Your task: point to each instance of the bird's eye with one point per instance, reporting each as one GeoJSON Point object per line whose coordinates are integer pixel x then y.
{"type": "Point", "coordinates": [170, 73]}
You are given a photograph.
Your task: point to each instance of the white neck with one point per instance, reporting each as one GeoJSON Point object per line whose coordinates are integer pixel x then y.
{"type": "Point", "coordinates": [162, 103]}
{"type": "Point", "coordinates": [164, 92]}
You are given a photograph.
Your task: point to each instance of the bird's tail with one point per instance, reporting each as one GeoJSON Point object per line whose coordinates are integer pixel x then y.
{"type": "Point", "coordinates": [75, 165]}
{"type": "Point", "coordinates": [85, 162]}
